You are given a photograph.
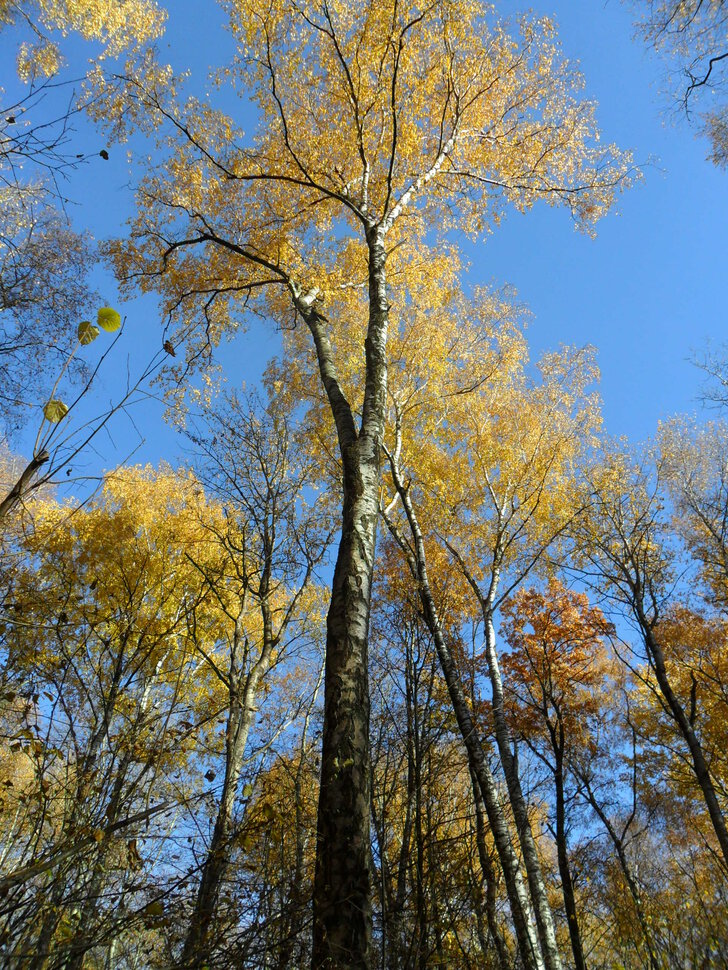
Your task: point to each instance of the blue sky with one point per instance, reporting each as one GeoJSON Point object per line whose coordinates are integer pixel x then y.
{"type": "Point", "coordinates": [649, 292]}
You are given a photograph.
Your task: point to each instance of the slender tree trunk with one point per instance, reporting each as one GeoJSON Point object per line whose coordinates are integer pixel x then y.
{"type": "Point", "coordinates": [292, 948]}
{"type": "Point", "coordinates": [567, 885]}
{"type": "Point", "coordinates": [384, 888]}
{"type": "Point", "coordinates": [544, 917]}
{"type": "Point", "coordinates": [87, 931]}
{"type": "Point", "coordinates": [629, 878]}
{"type": "Point", "coordinates": [53, 913]}
{"type": "Point", "coordinates": [520, 908]}
{"type": "Point", "coordinates": [418, 950]}
{"type": "Point", "coordinates": [195, 953]}
{"type": "Point", "coordinates": [684, 723]}
{"type": "Point", "coordinates": [434, 950]}
{"type": "Point", "coordinates": [486, 866]}
{"type": "Point", "coordinates": [528, 942]}
{"type": "Point", "coordinates": [397, 937]}
{"type": "Point", "coordinates": [342, 908]}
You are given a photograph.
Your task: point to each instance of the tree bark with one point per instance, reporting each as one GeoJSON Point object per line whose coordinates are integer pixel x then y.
{"type": "Point", "coordinates": [528, 943]}
{"type": "Point", "coordinates": [537, 887]}
{"type": "Point", "coordinates": [544, 917]}
{"type": "Point", "coordinates": [567, 885]}
{"type": "Point", "coordinates": [685, 726]}
{"type": "Point", "coordinates": [486, 865]}
{"type": "Point", "coordinates": [342, 909]}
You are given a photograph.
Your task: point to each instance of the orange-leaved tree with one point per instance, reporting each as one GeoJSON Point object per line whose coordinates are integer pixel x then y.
{"type": "Point", "coordinates": [557, 676]}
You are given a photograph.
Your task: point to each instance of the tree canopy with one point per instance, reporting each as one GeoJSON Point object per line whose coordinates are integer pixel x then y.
{"type": "Point", "coordinates": [405, 662]}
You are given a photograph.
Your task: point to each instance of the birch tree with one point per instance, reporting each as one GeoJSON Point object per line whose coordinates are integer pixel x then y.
{"type": "Point", "coordinates": [379, 124]}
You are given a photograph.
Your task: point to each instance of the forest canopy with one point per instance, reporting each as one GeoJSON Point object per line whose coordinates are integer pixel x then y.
{"type": "Point", "coordinates": [394, 655]}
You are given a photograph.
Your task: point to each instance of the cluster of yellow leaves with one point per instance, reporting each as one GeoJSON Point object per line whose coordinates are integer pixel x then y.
{"type": "Point", "coordinates": [377, 113]}
{"type": "Point", "coordinates": [116, 577]}
{"type": "Point", "coordinates": [383, 99]}
{"type": "Point", "coordinates": [116, 25]}
{"type": "Point", "coordinates": [695, 647]}
{"type": "Point", "coordinates": [492, 452]}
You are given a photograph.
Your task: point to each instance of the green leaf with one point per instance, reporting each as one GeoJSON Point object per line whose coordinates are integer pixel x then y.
{"type": "Point", "coordinates": [247, 790]}
{"type": "Point", "coordinates": [108, 319]}
{"type": "Point", "coordinates": [87, 332]}
{"type": "Point", "coordinates": [54, 411]}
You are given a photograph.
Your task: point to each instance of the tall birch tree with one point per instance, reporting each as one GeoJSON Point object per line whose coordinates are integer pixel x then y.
{"type": "Point", "coordinates": [379, 123]}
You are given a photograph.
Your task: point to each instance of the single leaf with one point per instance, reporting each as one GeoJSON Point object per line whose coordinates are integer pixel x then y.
{"type": "Point", "coordinates": [108, 319]}
{"type": "Point", "coordinates": [54, 411]}
{"type": "Point", "coordinates": [247, 790]}
{"type": "Point", "coordinates": [87, 332]}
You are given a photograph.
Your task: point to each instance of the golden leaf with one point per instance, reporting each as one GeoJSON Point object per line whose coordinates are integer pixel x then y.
{"type": "Point", "coordinates": [87, 332]}
{"type": "Point", "coordinates": [108, 319]}
{"type": "Point", "coordinates": [54, 411]}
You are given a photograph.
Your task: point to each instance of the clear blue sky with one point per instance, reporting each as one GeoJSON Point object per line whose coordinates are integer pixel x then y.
{"type": "Point", "coordinates": [648, 292]}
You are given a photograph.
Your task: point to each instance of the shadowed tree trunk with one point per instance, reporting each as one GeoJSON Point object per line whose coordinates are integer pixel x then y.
{"type": "Point", "coordinates": [562, 853]}
{"type": "Point", "coordinates": [486, 865]}
{"type": "Point", "coordinates": [342, 928]}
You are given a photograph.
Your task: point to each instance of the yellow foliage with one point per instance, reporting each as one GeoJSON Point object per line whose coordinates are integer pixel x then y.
{"type": "Point", "coordinates": [116, 25]}
{"type": "Point", "coordinates": [695, 647]}
{"type": "Point", "coordinates": [492, 453]}
{"type": "Point", "coordinates": [374, 117]}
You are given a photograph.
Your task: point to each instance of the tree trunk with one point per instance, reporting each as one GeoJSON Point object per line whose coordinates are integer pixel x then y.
{"type": "Point", "coordinates": [486, 866]}
{"type": "Point", "coordinates": [342, 908]}
{"type": "Point", "coordinates": [528, 943]}
{"type": "Point", "coordinates": [520, 909]}
{"type": "Point", "coordinates": [195, 953]}
{"type": "Point", "coordinates": [567, 885]}
{"type": "Point", "coordinates": [544, 917]}
{"type": "Point", "coordinates": [88, 925]}
{"type": "Point", "coordinates": [685, 726]}
{"type": "Point", "coordinates": [292, 947]}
